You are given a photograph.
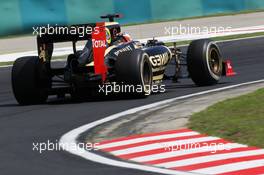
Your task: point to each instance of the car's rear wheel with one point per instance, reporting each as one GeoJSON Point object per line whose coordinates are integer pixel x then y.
{"type": "Point", "coordinates": [134, 69]}
{"type": "Point", "coordinates": [30, 81]}
{"type": "Point", "coordinates": [204, 62]}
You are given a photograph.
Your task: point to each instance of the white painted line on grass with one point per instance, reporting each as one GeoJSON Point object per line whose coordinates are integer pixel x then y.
{"type": "Point", "coordinates": [166, 39]}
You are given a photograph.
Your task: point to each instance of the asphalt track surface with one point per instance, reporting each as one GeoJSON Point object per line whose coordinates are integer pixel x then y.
{"type": "Point", "coordinates": [20, 126]}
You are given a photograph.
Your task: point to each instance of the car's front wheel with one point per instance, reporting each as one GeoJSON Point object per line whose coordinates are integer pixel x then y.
{"type": "Point", "coordinates": [133, 69]}
{"type": "Point", "coordinates": [204, 62]}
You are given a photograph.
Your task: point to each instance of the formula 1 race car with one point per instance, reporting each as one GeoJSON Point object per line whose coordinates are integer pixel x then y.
{"type": "Point", "coordinates": [110, 57]}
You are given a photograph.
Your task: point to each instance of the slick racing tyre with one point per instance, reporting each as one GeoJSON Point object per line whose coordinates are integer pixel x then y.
{"type": "Point", "coordinates": [133, 70]}
{"type": "Point", "coordinates": [204, 62]}
{"type": "Point", "coordinates": [30, 81]}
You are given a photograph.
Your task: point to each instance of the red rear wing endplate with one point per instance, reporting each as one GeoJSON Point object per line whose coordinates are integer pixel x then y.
{"type": "Point", "coordinates": [99, 47]}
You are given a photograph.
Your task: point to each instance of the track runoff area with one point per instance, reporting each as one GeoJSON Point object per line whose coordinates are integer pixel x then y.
{"type": "Point", "coordinates": [179, 151]}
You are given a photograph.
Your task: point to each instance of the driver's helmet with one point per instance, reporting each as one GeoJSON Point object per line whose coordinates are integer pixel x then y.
{"type": "Point", "coordinates": [127, 37]}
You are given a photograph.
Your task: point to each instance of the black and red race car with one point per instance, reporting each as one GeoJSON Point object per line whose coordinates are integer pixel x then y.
{"type": "Point", "coordinates": [110, 57]}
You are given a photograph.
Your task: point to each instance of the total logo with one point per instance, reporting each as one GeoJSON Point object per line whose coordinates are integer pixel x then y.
{"type": "Point", "coordinates": [159, 60]}
{"type": "Point", "coordinates": [98, 43]}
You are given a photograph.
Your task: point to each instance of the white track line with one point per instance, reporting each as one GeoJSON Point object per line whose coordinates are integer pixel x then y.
{"type": "Point", "coordinates": [72, 136]}
{"type": "Point", "coordinates": [195, 36]}
{"type": "Point", "coordinates": [32, 53]}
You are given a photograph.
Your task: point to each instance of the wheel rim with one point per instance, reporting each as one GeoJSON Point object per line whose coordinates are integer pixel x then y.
{"type": "Point", "coordinates": [214, 61]}
{"type": "Point", "coordinates": [146, 76]}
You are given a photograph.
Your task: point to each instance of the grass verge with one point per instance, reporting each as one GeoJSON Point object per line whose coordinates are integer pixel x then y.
{"type": "Point", "coordinates": [223, 38]}
{"type": "Point", "coordinates": [56, 58]}
{"type": "Point", "coordinates": [239, 119]}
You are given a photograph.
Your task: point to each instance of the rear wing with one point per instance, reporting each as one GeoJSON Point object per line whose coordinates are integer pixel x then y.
{"type": "Point", "coordinates": [74, 33]}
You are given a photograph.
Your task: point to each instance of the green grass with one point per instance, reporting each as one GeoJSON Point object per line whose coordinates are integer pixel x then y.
{"type": "Point", "coordinates": [16, 35]}
{"type": "Point", "coordinates": [239, 119]}
{"type": "Point", "coordinates": [8, 63]}
{"type": "Point", "coordinates": [223, 38]}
